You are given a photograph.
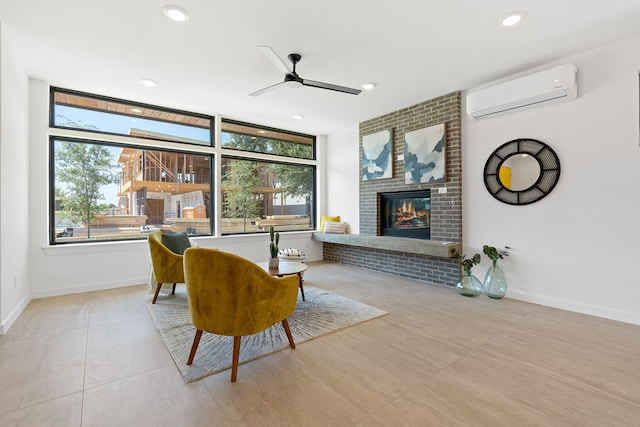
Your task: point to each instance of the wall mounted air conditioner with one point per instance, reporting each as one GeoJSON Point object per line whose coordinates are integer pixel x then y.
{"type": "Point", "coordinates": [551, 86]}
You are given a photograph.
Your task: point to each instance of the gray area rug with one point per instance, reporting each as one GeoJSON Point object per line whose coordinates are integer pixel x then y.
{"type": "Point", "coordinates": [323, 312]}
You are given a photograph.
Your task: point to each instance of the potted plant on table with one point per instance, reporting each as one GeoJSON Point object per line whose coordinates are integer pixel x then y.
{"type": "Point", "coordinates": [495, 283]}
{"type": "Point", "coordinates": [274, 236]}
{"type": "Point", "coordinates": [469, 285]}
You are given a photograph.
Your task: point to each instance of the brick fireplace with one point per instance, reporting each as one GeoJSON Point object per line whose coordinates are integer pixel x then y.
{"type": "Point", "coordinates": [445, 216]}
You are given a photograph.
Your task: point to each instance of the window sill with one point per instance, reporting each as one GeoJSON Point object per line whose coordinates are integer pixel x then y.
{"type": "Point", "coordinates": [137, 245]}
{"type": "Point", "coordinates": [97, 247]}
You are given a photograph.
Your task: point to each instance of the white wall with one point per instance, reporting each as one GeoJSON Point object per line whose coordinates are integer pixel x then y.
{"type": "Point", "coordinates": [577, 248]}
{"type": "Point", "coordinates": [14, 181]}
{"type": "Point", "coordinates": [343, 177]}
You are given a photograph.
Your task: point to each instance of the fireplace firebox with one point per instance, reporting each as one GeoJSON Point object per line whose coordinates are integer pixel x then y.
{"type": "Point", "coordinates": [406, 214]}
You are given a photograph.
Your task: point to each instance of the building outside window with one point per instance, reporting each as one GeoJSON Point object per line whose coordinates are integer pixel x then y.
{"type": "Point", "coordinates": [257, 194]}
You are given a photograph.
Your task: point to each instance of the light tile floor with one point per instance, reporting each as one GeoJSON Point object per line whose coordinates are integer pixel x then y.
{"type": "Point", "coordinates": [437, 358]}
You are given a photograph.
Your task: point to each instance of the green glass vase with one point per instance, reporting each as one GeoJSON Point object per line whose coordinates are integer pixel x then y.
{"type": "Point", "coordinates": [495, 284]}
{"type": "Point", "coordinates": [469, 285]}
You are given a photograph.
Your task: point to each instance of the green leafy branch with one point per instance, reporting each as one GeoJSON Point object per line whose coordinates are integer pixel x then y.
{"type": "Point", "coordinates": [494, 254]}
{"type": "Point", "coordinates": [467, 263]}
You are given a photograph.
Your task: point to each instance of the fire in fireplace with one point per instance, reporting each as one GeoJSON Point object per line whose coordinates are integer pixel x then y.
{"type": "Point", "coordinates": [406, 214]}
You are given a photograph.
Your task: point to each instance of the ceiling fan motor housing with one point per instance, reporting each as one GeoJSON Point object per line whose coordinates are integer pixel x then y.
{"type": "Point", "coordinates": [295, 58]}
{"type": "Point", "coordinates": [292, 80]}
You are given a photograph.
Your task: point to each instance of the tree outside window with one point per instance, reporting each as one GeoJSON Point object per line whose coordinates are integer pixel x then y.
{"type": "Point", "coordinates": [82, 169]}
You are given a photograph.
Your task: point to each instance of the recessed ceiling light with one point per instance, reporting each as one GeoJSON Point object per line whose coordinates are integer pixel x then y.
{"type": "Point", "coordinates": [148, 82]}
{"type": "Point", "coordinates": [136, 110]}
{"type": "Point", "coordinates": [513, 18]}
{"type": "Point", "coordinates": [368, 86]}
{"type": "Point", "coordinates": [176, 13]}
{"type": "Point", "coordinates": [298, 117]}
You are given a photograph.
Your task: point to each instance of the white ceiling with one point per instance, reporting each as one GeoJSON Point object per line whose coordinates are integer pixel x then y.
{"type": "Point", "coordinates": [414, 50]}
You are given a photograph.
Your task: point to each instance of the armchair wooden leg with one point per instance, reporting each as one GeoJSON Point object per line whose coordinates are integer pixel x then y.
{"type": "Point", "coordinates": [285, 325]}
{"type": "Point", "coordinates": [236, 356]}
{"type": "Point", "coordinates": [173, 292]}
{"type": "Point", "coordinates": [155, 296]}
{"type": "Point", "coordinates": [194, 347]}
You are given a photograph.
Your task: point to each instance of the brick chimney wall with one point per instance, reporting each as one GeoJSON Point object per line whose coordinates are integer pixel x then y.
{"type": "Point", "coordinates": [446, 208]}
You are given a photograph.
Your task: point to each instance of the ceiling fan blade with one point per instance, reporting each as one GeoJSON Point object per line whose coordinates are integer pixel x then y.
{"type": "Point", "coordinates": [321, 85]}
{"type": "Point", "coordinates": [267, 89]}
{"type": "Point", "coordinates": [275, 59]}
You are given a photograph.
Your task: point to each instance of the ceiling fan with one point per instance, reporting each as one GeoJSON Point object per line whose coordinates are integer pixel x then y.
{"type": "Point", "coordinates": [291, 77]}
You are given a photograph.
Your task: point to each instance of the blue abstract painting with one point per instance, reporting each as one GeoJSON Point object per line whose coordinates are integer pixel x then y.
{"type": "Point", "coordinates": [377, 152]}
{"type": "Point", "coordinates": [424, 155]}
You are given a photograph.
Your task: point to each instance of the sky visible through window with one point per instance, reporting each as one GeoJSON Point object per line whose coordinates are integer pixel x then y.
{"type": "Point", "coordinates": [121, 124]}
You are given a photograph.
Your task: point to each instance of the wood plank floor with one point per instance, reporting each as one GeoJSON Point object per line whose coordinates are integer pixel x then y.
{"type": "Point", "coordinates": [437, 359]}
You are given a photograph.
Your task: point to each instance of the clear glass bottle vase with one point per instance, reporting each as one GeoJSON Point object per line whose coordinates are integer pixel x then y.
{"type": "Point", "coordinates": [469, 285]}
{"type": "Point", "coordinates": [495, 284]}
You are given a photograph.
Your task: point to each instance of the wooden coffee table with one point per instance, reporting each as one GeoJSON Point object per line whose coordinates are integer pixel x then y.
{"type": "Point", "coordinates": [287, 268]}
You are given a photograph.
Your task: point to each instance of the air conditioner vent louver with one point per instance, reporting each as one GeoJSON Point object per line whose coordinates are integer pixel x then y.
{"type": "Point", "coordinates": [551, 86]}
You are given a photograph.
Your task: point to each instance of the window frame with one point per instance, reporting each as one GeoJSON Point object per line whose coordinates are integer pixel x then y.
{"type": "Point", "coordinates": [92, 141]}
{"type": "Point", "coordinates": [215, 152]}
{"type": "Point", "coordinates": [234, 155]}
{"type": "Point", "coordinates": [52, 116]}
{"type": "Point", "coordinates": [268, 129]}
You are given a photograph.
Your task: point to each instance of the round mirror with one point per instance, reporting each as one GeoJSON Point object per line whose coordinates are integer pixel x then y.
{"type": "Point", "coordinates": [521, 171]}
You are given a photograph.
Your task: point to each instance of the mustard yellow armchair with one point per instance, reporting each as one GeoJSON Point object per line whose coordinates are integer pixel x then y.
{"type": "Point", "coordinates": [231, 296]}
{"type": "Point", "coordinates": [167, 265]}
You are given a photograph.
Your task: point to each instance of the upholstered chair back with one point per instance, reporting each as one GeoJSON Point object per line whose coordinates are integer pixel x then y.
{"type": "Point", "coordinates": [230, 295]}
{"type": "Point", "coordinates": [167, 265]}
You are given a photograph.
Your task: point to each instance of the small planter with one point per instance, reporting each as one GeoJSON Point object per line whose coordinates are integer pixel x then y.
{"type": "Point", "coordinates": [274, 263]}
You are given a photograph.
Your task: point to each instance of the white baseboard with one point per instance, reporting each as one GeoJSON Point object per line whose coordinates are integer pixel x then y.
{"type": "Point", "coordinates": [607, 313]}
{"type": "Point", "coordinates": [90, 287]}
{"type": "Point", "coordinates": [9, 321]}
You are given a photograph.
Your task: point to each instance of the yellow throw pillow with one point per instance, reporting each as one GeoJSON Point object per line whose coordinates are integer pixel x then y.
{"type": "Point", "coordinates": [328, 218]}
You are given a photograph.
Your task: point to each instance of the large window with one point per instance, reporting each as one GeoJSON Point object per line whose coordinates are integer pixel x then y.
{"type": "Point", "coordinates": [257, 139]}
{"type": "Point", "coordinates": [74, 110]}
{"type": "Point", "coordinates": [119, 170]}
{"type": "Point", "coordinates": [256, 195]}
{"type": "Point", "coordinates": [111, 192]}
